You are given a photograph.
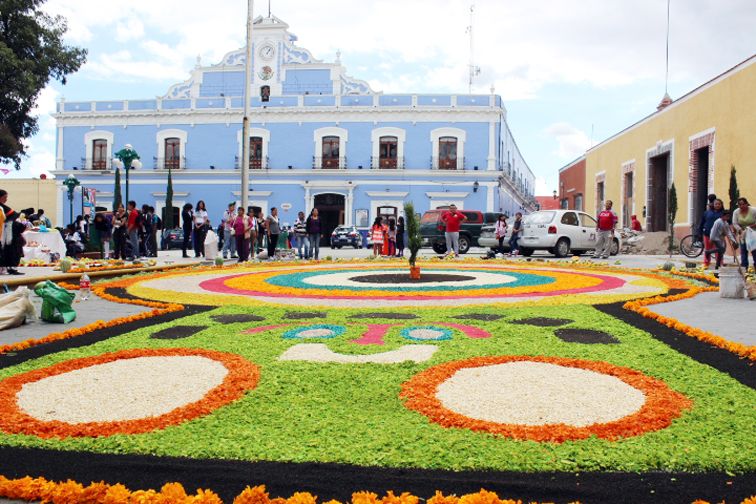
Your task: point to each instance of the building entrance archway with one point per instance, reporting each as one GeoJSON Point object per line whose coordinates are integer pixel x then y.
{"type": "Point", "coordinates": [331, 208]}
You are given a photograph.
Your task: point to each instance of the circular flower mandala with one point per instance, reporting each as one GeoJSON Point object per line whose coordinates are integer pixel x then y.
{"type": "Point", "coordinates": [426, 333]}
{"type": "Point", "coordinates": [315, 331]}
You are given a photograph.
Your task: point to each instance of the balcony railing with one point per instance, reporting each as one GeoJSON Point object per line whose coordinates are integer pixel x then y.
{"type": "Point", "coordinates": [320, 163]}
{"type": "Point", "coordinates": [379, 163]}
{"type": "Point", "coordinates": [168, 163]}
{"type": "Point", "coordinates": [438, 163]}
{"type": "Point", "coordinates": [254, 164]}
{"type": "Point", "coordinates": [95, 164]}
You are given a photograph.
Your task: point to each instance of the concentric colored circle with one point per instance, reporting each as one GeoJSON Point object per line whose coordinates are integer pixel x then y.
{"type": "Point", "coordinates": [452, 395]}
{"type": "Point", "coordinates": [116, 404]}
{"type": "Point", "coordinates": [337, 285]}
{"type": "Point", "coordinates": [426, 333]}
{"type": "Point", "coordinates": [315, 331]}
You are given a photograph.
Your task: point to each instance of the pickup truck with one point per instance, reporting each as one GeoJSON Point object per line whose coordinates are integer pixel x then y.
{"type": "Point", "coordinates": [432, 229]}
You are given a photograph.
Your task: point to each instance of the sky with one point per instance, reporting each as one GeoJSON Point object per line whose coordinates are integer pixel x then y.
{"type": "Point", "coordinates": [571, 73]}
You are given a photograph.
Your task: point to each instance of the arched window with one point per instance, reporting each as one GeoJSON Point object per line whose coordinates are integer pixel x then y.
{"type": "Point", "coordinates": [100, 154]}
{"type": "Point", "coordinates": [172, 153]}
{"type": "Point", "coordinates": [388, 153]}
{"type": "Point", "coordinates": [331, 152]}
{"type": "Point", "coordinates": [447, 153]}
{"type": "Point", "coordinates": [255, 152]}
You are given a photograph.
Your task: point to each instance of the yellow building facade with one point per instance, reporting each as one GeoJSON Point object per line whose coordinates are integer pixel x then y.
{"type": "Point", "coordinates": [692, 142]}
{"type": "Point", "coordinates": [35, 193]}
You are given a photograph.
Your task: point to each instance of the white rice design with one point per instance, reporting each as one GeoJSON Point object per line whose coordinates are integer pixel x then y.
{"type": "Point", "coordinates": [126, 389]}
{"type": "Point", "coordinates": [537, 393]}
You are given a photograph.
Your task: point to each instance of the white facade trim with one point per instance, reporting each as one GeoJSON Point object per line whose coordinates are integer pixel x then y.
{"type": "Point", "coordinates": [459, 134]}
{"type": "Point", "coordinates": [89, 139]}
{"type": "Point", "coordinates": [254, 194]}
{"type": "Point", "coordinates": [320, 133]}
{"type": "Point", "coordinates": [446, 195]}
{"type": "Point", "coordinates": [375, 204]}
{"type": "Point", "coordinates": [702, 133]}
{"type": "Point", "coordinates": [178, 194]}
{"type": "Point", "coordinates": [161, 137]}
{"type": "Point", "coordinates": [387, 194]}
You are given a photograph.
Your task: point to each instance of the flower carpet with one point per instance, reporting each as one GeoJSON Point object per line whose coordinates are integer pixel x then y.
{"type": "Point", "coordinates": [547, 383]}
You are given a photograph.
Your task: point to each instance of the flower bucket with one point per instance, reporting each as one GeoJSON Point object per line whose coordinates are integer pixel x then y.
{"type": "Point", "coordinates": [415, 272]}
{"type": "Point", "coordinates": [731, 283]}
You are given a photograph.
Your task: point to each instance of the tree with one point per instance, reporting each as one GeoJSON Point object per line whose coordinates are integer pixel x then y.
{"type": "Point", "coordinates": [168, 224]}
{"type": "Point", "coordinates": [117, 199]}
{"type": "Point", "coordinates": [672, 215]}
{"type": "Point", "coordinates": [414, 240]}
{"type": "Point", "coordinates": [734, 191]}
{"type": "Point", "coordinates": [31, 53]}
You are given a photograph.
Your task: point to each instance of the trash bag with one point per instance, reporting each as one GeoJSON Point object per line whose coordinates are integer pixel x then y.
{"type": "Point", "coordinates": [56, 303]}
{"type": "Point", "coordinates": [211, 245]}
{"type": "Point", "coordinates": [14, 308]}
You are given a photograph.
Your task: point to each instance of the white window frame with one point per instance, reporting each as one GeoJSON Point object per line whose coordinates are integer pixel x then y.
{"type": "Point", "coordinates": [321, 133]}
{"type": "Point", "coordinates": [389, 131]}
{"type": "Point", "coordinates": [89, 139]}
{"type": "Point", "coordinates": [459, 134]}
{"type": "Point", "coordinates": [255, 132]}
{"type": "Point", "coordinates": [163, 135]}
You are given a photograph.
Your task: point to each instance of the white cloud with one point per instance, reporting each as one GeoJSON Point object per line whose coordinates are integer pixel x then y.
{"type": "Point", "coordinates": [131, 29]}
{"type": "Point", "coordinates": [542, 187]}
{"type": "Point", "coordinates": [572, 142]}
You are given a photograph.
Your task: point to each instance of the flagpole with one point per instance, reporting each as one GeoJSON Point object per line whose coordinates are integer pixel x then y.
{"type": "Point", "coordinates": [245, 125]}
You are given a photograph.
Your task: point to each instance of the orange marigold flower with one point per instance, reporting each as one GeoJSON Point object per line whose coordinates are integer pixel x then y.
{"type": "Point", "coordinates": [67, 493]}
{"type": "Point", "coordinates": [94, 493]}
{"type": "Point", "coordinates": [205, 497]}
{"type": "Point", "coordinates": [405, 498]}
{"type": "Point", "coordinates": [254, 495]}
{"type": "Point", "coordinates": [116, 494]}
{"type": "Point", "coordinates": [440, 498]}
{"type": "Point", "coordinates": [302, 498]}
{"type": "Point", "coordinates": [365, 498]}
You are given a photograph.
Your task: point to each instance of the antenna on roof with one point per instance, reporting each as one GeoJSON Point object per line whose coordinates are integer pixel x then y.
{"type": "Point", "coordinates": [474, 70]}
{"type": "Point", "coordinates": [666, 75]}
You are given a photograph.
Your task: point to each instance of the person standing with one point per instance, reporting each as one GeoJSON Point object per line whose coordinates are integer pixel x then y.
{"type": "Point", "coordinates": [132, 228]}
{"type": "Point", "coordinates": [391, 235]}
{"type": "Point", "coordinates": [201, 225]}
{"type": "Point", "coordinates": [452, 219]}
{"type": "Point", "coordinates": [719, 230]}
{"type": "Point", "coordinates": [120, 221]}
{"type": "Point", "coordinates": [187, 217]}
{"type": "Point", "coordinates": [400, 237]}
{"type": "Point", "coordinates": [300, 231]}
{"type": "Point", "coordinates": [315, 233]}
{"type": "Point", "coordinates": [606, 220]}
{"type": "Point", "coordinates": [708, 219]}
{"type": "Point", "coordinates": [744, 218]}
{"type": "Point", "coordinates": [146, 231]}
{"type": "Point", "coordinates": [273, 229]}
{"type": "Point", "coordinates": [229, 240]}
{"type": "Point", "coordinates": [501, 231]}
{"type": "Point", "coordinates": [241, 226]}
{"type": "Point", "coordinates": [377, 232]}
{"type": "Point", "coordinates": [104, 229]}
{"type": "Point", "coordinates": [514, 247]}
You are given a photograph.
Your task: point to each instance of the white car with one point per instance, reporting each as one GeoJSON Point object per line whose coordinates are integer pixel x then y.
{"type": "Point", "coordinates": [488, 234]}
{"type": "Point", "coordinates": [562, 233]}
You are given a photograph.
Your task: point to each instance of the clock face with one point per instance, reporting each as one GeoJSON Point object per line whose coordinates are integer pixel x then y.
{"type": "Point", "coordinates": [267, 52]}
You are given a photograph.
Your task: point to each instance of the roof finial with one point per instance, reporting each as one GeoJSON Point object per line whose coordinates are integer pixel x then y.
{"type": "Point", "coordinates": [199, 62]}
{"type": "Point", "coordinates": [338, 56]}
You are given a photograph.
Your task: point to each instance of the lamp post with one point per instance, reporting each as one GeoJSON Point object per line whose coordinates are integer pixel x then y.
{"type": "Point", "coordinates": [127, 158]}
{"type": "Point", "coordinates": [71, 182]}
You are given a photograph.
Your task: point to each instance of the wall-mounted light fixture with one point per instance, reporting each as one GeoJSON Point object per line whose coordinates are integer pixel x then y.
{"type": "Point", "coordinates": [475, 168]}
{"type": "Point", "coordinates": [475, 186]}
{"type": "Point", "coordinates": [555, 194]}
{"type": "Point", "coordinates": [212, 167]}
{"type": "Point", "coordinates": [290, 167]}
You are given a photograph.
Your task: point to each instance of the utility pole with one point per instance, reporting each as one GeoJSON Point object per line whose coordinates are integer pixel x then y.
{"type": "Point", "coordinates": [245, 126]}
{"type": "Point", "coordinates": [474, 70]}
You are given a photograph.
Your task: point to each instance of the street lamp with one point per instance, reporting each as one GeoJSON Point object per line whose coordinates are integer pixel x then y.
{"type": "Point", "coordinates": [555, 194]}
{"type": "Point", "coordinates": [71, 182]}
{"type": "Point", "coordinates": [127, 158]}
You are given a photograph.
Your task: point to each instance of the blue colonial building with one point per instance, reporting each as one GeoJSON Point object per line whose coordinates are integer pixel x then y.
{"type": "Point", "coordinates": [318, 138]}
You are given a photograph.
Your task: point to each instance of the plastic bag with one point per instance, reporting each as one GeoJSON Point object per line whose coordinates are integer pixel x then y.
{"type": "Point", "coordinates": [14, 307]}
{"type": "Point", "coordinates": [750, 239]}
{"type": "Point", "coordinates": [56, 304]}
{"type": "Point", "coordinates": [211, 245]}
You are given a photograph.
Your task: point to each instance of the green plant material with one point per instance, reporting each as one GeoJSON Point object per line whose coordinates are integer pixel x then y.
{"type": "Point", "coordinates": [414, 240]}
{"type": "Point", "coordinates": [671, 215]}
{"type": "Point", "coordinates": [351, 413]}
{"type": "Point", "coordinates": [733, 192]}
{"type": "Point", "coordinates": [31, 53]}
{"type": "Point", "coordinates": [65, 264]}
{"type": "Point", "coordinates": [668, 266]}
{"type": "Point", "coordinates": [219, 261]}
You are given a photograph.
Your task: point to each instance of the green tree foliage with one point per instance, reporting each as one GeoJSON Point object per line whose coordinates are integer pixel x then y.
{"type": "Point", "coordinates": [414, 241]}
{"type": "Point", "coordinates": [31, 53]}
{"type": "Point", "coordinates": [672, 215]}
{"type": "Point", "coordinates": [734, 191]}
{"type": "Point", "coordinates": [117, 199]}
{"type": "Point", "coordinates": [168, 224]}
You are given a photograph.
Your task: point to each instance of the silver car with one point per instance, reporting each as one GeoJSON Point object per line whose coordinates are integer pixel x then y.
{"type": "Point", "coordinates": [488, 234]}
{"type": "Point", "coordinates": [561, 232]}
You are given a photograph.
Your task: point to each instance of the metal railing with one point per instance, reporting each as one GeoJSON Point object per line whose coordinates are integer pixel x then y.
{"type": "Point", "coordinates": [168, 163]}
{"type": "Point", "coordinates": [95, 164]}
{"type": "Point", "coordinates": [321, 163]}
{"type": "Point", "coordinates": [254, 164]}
{"type": "Point", "coordinates": [379, 163]}
{"type": "Point", "coordinates": [438, 163]}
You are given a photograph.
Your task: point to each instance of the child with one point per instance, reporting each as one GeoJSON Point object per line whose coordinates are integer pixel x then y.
{"type": "Point", "coordinates": [377, 231]}
{"type": "Point", "coordinates": [400, 237]}
{"type": "Point", "coordinates": [501, 232]}
{"type": "Point", "coordinates": [392, 237]}
{"type": "Point", "coordinates": [719, 230]}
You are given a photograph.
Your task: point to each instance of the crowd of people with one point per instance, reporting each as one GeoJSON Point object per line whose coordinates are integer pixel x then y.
{"type": "Point", "coordinates": [388, 239]}
{"type": "Point", "coordinates": [719, 226]}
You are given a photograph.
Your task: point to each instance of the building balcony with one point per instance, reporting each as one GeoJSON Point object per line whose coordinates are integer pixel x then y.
{"type": "Point", "coordinates": [94, 164]}
{"type": "Point", "coordinates": [438, 163]}
{"type": "Point", "coordinates": [254, 164]}
{"type": "Point", "coordinates": [169, 163]}
{"type": "Point", "coordinates": [379, 163]}
{"type": "Point", "coordinates": [321, 163]}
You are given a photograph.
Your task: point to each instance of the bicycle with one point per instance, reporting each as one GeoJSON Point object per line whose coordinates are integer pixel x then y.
{"type": "Point", "coordinates": [692, 245]}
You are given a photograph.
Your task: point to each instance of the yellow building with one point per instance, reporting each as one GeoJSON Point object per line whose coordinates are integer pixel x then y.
{"type": "Point", "coordinates": [35, 193]}
{"type": "Point", "coordinates": [692, 141]}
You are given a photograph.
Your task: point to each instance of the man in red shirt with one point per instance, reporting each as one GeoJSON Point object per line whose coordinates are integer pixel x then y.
{"type": "Point", "coordinates": [452, 219]}
{"type": "Point", "coordinates": [606, 220]}
{"type": "Point", "coordinates": [132, 227]}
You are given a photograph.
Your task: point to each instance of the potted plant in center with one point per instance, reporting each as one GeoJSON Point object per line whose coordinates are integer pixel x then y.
{"type": "Point", "coordinates": [414, 241]}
